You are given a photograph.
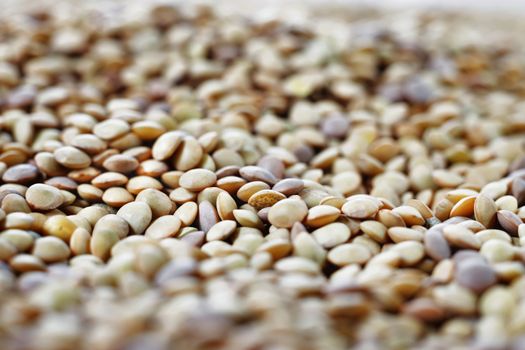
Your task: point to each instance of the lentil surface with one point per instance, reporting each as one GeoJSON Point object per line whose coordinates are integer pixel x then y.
{"type": "Point", "coordinates": [178, 178]}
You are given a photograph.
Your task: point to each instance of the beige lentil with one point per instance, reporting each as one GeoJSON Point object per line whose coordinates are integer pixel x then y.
{"type": "Point", "coordinates": [265, 198]}
{"type": "Point", "coordinates": [116, 196]}
{"type": "Point", "coordinates": [72, 157]}
{"type": "Point", "coordinates": [137, 214]}
{"type": "Point", "coordinates": [196, 180]}
{"type": "Point", "coordinates": [360, 207]}
{"type": "Point", "coordinates": [59, 226]}
{"type": "Point", "coordinates": [163, 227]}
{"type": "Point", "coordinates": [51, 249]}
{"type": "Point", "coordinates": [287, 212]}
{"type": "Point", "coordinates": [44, 197]}
{"type": "Point", "coordinates": [350, 253]}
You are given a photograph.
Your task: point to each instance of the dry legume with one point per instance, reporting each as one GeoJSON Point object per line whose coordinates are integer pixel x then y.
{"type": "Point", "coordinates": [183, 179]}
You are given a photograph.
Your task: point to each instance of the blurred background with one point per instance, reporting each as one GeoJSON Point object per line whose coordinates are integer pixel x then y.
{"type": "Point", "coordinates": [509, 6]}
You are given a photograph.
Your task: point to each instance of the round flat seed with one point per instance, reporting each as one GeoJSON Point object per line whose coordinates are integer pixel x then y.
{"type": "Point", "coordinates": [335, 125]}
{"type": "Point", "coordinates": [461, 237]}
{"type": "Point", "coordinates": [509, 221]}
{"type": "Point", "coordinates": [336, 202]}
{"type": "Point", "coordinates": [80, 241]}
{"type": "Point", "coordinates": [456, 299]}
{"type": "Point", "coordinates": [102, 241]}
{"type": "Point", "coordinates": [332, 235]}
{"type": "Point", "coordinates": [22, 240]}
{"type": "Point", "coordinates": [221, 230]}
{"type": "Point", "coordinates": [424, 309]}
{"type": "Point", "coordinates": [422, 208]}
{"type": "Point", "coordinates": [410, 215]}
{"type": "Point", "coordinates": [138, 184]}
{"type": "Point", "coordinates": [263, 214]}
{"type": "Point", "coordinates": [197, 179]}
{"type": "Point", "coordinates": [121, 163]}
{"type": "Point", "coordinates": [21, 174]}
{"type": "Point", "coordinates": [195, 238]}
{"type": "Point", "coordinates": [89, 192]}
{"type": "Point", "coordinates": [475, 275]}
{"type": "Point", "coordinates": [265, 198]}
{"type": "Point", "coordinates": [117, 196]}
{"type": "Point", "coordinates": [224, 157]}
{"type": "Point", "coordinates": [187, 213]}
{"type": "Point", "coordinates": [166, 145]}
{"type": "Point", "coordinates": [207, 216]}
{"type": "Point", "coordinates": [246, 191]}
{"type": "Point", "coordinates": [171, 178]}
{"type": "Point", "coordinates": [278, 248]}
{"type": "Point", "coordinates": [350, 253]}
{"type": "Point", "coordinates": [51, 249]}
{"type": "Point", "coordinates": [360, 207]}
{"type": "Point", "coordinates": [346, 182]}
{"type": "Point", "coordinates": [44, 197]}
{"type": "Point", "coordinates": [497, 250]}
{"type": "Point", "coordinates": [189, 154]}
{"type": "Point", "coordinates": [472, 225]}
{"type": "Point", "coordinates": [445, 178]}
{"type": "Point", "coordinates": [62, 183]}
{"type": "Point", "coordinates": [442, 209]}
{"type": "Point", "coordinates": [255, 173]}
{"type": "Point", "coordinates": [137, 214]}
{"type": "Point", "coordinates": [152, 167]}
{"type": "Point", "coordinates": [485, 210]}
{"type": "Point", "coordinates": [464, 207]}
{"type": "Point", "coordinates": [111, 129]}
{"type": "Point", "coordinates": [485, 235]}
{"type": "Point", "coordinates": [164, 227]}
{"type": "Point", "coordinates": [518, 190]}
{"type": "Point", "coordinates": [465, 254]}
{"type": "Point", "coordinates": [26, 263]}
{"type": "Point", "coordinates": [289, 187]}
{"type": "Point", "coordinates": [273, 164]}
{"type": "Point", "coordinates": [306, 246]}
{"type": "Point", "coordinates": [507, 203]}
{"type": "Point", "coordinates": [158, 201]}
{"type": "Point", "coordinates": [147, 129]}
{"type": "Point", "coordinates": [400, 234]}
{"type": "Point", "coordinates": [287, 212]}
{"type": "Point", "coordinates": [209, 141]}
{"type": "Point", "coordinates": [389, 218]}
{"type": "Point", "coordinates": [7, 249]}
{"type": "Point", "coordinates": [375, 230]}
{"type": "Point", "coordinates": [72, 157]}
{"type": "Point", "coordinates": [436, 245]}
{"type": "Point", "coordinates": [297, 264]}
{"type": "Point", "coordinates": [231, 184]}
{"type": "Point", "coordinates": [84, 175]}
{"type": "Point", "coordinates": [225, 206]}
{"type": "Point", "coordinates": [494, 190]}
{"type": "Point", "coordinates": [247, 218]}
{"type": "Point", "coordinates": [321, 215]}
{"type": "Point", "coordinates": [59, 226]}
{"type": "Point", "coordinates": [230, 170]}
{"type": "Point", "coordinates": [411, 252]}
{"type": "Point", "coordinates": [109, 179]}
{"type": "Point", "coordinates": [89, 143]}
{"type": "Point", "coordinates": [113, 223]}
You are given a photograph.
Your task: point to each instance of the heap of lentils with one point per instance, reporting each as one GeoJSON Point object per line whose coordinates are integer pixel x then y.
{"type": "Point", "coordinates": [187, 180]}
